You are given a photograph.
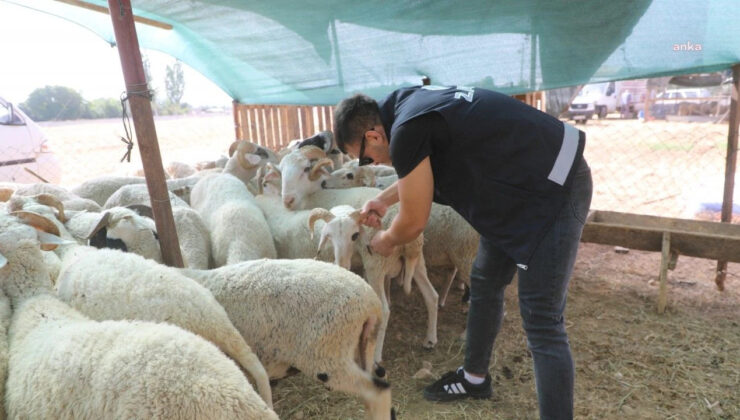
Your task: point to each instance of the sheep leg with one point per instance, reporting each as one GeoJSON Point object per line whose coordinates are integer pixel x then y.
{"type": "Point", "coordinates": [448, 285]}
{"type": "Point", "coordinates": [252, 365]}
{"type": "Point", "coordinates": [431, 299]}
{"type": "Point", "coordinates": [376, 279]}
{"type": "Point", "coordinates": [366, 344]}
{"type": "Point", "coordinates": [375, 393]}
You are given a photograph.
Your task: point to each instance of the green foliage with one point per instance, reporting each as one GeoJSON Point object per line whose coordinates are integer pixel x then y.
{"type": "Point", "coordinates": [103, 108]}
{"type": "Point", "coordinates": [174, 82]}
{"type": "Point", "coordinates": [54, 103]}
{"type": "Point", "coordinates": [171, 108]}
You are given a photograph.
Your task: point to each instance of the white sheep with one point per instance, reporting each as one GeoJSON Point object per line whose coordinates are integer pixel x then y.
{"type": "Point", "coordinates": [192, 234]}
{"type": "Point", "coordinates": [344, 230]}
{"type": "Point", "coordinates": [238, 229]}
{"type": "Point", "coordinates": [450, 242]}
{"type": "Point", "coordinates": [246, 158]}
{"type": "Point", "coordinates": [109, 284]}
{"type": "Point", "coordinates": [138, 194]}
{"type": "Point", "coordinates": [378, 168]}
{"type": "Point", "coordinates": [177, 169]}
{"type": "Point", "coordinates": [100, 188]}
{"type": "Point", "coordinates": [118, 228]}
{"type": "Point", "coordinates": [212, 164]}
{"type": "Point", "coordinates": [128, 286]}
{"type": "Point", "coordinates": [63, 365]}
{"type": "Point", "coordinates": [70, 200]}
{"type": "Point", "coordinates": [309, 315]}
{"type": "Point", "coordinates": [358, 176]}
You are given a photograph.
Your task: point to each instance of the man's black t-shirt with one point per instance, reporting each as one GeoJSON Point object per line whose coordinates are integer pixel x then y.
{"type": "Point", "coordinates": [425, 136]}
{"type": "Point", "coordinates": [503, 165]}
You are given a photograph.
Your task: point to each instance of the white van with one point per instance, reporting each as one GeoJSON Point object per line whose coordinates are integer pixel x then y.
{"type": "Point", "coordinates": [24, 149]}
{"type": "Point", "coordinates": [601, 99]}
{"type": "Point", "coordinates": [595, 99]}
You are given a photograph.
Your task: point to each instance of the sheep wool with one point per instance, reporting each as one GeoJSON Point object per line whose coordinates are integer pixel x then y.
{"type": "Point", "coordinates": [310, 315]}
{"type": "Point", "coordinates": [63, 365]}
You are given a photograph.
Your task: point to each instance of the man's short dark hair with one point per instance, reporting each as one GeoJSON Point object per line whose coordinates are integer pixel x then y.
{"type": "Point", "coordinates": [352, 117]}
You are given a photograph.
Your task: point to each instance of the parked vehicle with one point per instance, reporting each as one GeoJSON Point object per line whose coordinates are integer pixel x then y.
{"type": "Point", "coordinates": [595, 99]}
{"type": "Point", "coordinates": [24, 149]}
{"type": "Point", "coordinates": [688, 101]}
{"type": "Point", "coordinates": [600, 99]}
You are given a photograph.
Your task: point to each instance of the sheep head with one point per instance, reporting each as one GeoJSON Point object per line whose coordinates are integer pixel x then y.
{"type": "Point", "coordinates": [303, 171]}
{"type": "Point", "coordinates": [343, 229]}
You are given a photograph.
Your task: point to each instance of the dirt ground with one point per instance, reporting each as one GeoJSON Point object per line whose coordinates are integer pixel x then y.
{"type": "Point", "coordinates": [630, 361]}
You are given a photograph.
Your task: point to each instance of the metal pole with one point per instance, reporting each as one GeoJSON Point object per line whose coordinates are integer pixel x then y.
{"type": "Point", "coordinates": [141, 109]}
{"type": "Point", "coordinates": [730, 164]}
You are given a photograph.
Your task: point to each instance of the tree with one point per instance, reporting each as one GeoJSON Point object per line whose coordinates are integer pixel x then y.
{"type": "Point", "coordinates": [174, 82]}
{"type": "Point", "coordinates": [104, 108]}
{"type": "Point", "coordinates": [54, 103]}
{"type": "Point", "coordinates": [148, 75]}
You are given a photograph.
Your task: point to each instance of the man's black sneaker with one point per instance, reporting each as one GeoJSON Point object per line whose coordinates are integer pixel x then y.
{"type": "Point", "coordinates": [453, 386]}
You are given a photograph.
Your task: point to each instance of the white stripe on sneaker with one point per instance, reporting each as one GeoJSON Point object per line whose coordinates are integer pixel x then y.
{"type": "Point", "coordinates": [455, 388]}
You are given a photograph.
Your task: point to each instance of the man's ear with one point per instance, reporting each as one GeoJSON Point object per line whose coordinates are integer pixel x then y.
{"type": "Point", "coordinates": [375, 137]}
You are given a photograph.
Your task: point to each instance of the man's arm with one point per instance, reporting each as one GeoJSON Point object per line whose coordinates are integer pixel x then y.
{"type": "Point", "coordinates": [415, 192]}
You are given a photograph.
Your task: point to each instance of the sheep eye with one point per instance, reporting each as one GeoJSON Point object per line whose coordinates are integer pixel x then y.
{"type": "Point", "coordinates": [155, 235]}
{"type": "Point", "coordinates": [334, 152]}
{"type": "Point", "coordinates": [350, 176]}
{"type": "Point", "coordinates": [307, 169]}
{"type": "Point", "coordinates": [355, 236]}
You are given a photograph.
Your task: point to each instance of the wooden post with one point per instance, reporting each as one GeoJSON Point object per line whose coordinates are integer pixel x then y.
{"type": "Point", "coordinates": [730, 164]}
{"type": "Point", "coordinates": [238, 124]}
{"type": "Point", "coordinates": [146, 134]}
{"type": "Point", "coordinates": [664, 262]}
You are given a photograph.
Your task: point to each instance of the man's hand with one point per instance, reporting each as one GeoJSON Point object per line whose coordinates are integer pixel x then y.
{"type": "Point", "coordinates": [380, 245]}
{"type": "Point", "coordinates": [372, 213]}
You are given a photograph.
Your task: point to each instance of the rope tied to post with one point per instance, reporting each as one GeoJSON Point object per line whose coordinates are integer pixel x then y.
{"type": "Point", "coordinates": [140, 89]}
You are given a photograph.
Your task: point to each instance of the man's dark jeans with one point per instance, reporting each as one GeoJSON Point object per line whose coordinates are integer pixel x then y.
{"type": "Point", "coordinates": [543, 288]}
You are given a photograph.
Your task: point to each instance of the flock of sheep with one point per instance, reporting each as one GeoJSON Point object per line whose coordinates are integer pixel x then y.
{"type": "Point", "coordinates": [94, 326]}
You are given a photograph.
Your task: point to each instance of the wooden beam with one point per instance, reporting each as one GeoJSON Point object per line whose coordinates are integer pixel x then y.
{"type": "Point", "coordinates": [101, 9]}
{"type": "Point", "coordinates": [730, 164]}
{"type": "Point", "coordinates": [139, 101]}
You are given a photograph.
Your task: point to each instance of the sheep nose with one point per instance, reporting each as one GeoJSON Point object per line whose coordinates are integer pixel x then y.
{"type": "Point", "coordinates": [323, 184]}
{"type": "Point", "coordinates": [288, 201]}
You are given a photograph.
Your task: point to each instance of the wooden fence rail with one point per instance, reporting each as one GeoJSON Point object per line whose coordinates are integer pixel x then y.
{"type": "Point", "coordinates": [274, 126]}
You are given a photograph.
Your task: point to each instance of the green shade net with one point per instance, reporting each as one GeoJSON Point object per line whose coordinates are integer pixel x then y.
{"type": "Point", "coordinates": [318, 52]}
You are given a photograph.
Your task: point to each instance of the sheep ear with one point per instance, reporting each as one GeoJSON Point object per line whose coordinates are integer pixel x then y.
{"type": "Point", "coordinates": [49, 241]}
{"type": "Point", "coordinates": [322, 242]}
{"type": "Point", "coordinates": [5, 194]}
{"type": "Point", "coordinates": [102, 222]}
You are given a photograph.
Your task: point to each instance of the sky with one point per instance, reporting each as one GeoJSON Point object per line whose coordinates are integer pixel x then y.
{"type": "Point", "coordinates": [37, 49]}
